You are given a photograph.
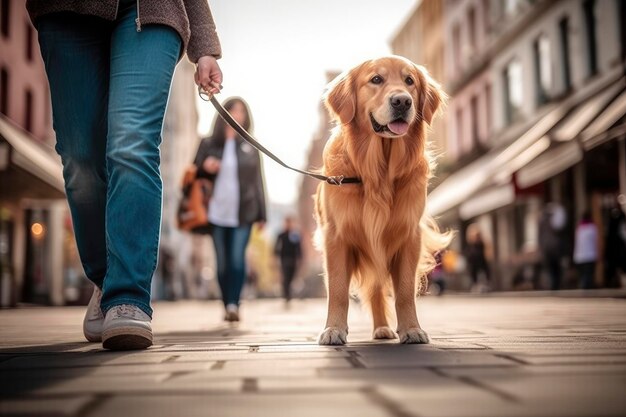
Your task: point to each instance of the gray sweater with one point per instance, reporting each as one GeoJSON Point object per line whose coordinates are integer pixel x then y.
{"type": "Point", "coordinates": [192, 19]}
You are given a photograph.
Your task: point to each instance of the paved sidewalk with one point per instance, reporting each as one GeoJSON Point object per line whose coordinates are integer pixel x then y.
{"type": "Point", "coordinates": [489, 356]}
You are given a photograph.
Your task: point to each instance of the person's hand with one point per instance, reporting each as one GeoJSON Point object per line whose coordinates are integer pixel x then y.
{"type": "Point", "coordinates": [208, 75]}
{"type": "Point", "coordinates": [211, 165]}
{"type": "Point", "coordinates": [260, 225]}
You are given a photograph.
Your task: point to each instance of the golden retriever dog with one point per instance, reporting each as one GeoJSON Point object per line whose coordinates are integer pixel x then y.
{"type": "Point", "coordinates": [374, 235]}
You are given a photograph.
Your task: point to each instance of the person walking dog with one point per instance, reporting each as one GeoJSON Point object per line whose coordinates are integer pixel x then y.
{"type": "Point", "coordinates": [110, 65]}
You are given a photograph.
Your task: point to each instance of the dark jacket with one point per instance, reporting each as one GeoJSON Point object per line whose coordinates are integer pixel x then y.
{"type": "Point", "coordinates": [251, 189]}
{"type": "Point", "coordinates": [289, 251]}
{"type": "Point", "coordinates": [192, 19]}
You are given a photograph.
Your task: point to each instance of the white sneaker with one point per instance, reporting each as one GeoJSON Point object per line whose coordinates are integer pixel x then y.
{"type": "Point", "coordinates": [92, 323]}
{"type": "Point", "coordinates": [232, 312]}
{"type": "Point", "coordinates": [126, 327]}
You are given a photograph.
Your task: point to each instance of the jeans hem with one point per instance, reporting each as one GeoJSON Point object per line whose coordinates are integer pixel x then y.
{"type": "Point", "coordinates": [120, 301]}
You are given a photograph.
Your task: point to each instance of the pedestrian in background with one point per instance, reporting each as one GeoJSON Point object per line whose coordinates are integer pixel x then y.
{"type": "Point", "coordinates": [109, 65]}
{"type": "Point", "coordinates": [551, 243]}
{"type": "Point", "coordinates": [615, 248]}
{"type": "Point", "coordinates": [237, 202]}
{"type": "Point", "coordinates": [289, 251]}
{"type": "Point", "coordinates": [475, 254]}
{"type": "Point", "coordinates": [586, 250]}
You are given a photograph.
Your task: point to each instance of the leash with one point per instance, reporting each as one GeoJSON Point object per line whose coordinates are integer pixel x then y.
{"type": "Point", "coordinates": [333, 180]}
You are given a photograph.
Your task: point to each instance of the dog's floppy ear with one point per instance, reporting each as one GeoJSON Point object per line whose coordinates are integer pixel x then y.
{"type": "Point", "coordinates": [340, 98]}
{"type": "Point", "coordinates": [430, 95]}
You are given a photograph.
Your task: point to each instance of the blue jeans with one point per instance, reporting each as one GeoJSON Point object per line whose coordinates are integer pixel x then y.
{"type": "Point", "coordinates": [109, 86]}
{"type": "Point", "coordinates": [230, 250]}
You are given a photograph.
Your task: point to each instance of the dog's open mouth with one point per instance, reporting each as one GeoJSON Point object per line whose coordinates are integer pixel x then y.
{"type": "Point", "coordinates": [397, 127]}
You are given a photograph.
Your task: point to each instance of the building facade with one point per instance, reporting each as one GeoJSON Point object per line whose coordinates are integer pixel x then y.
{"type": "Point", "coordinates": [536, 116]}
{"type": "Point", "coordinates": [38, 258]}
{"type": "Point", "coordinates": [421, 39]}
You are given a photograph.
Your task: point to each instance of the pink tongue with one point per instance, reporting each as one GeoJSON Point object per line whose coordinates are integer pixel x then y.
{"type": "Point", "coordinates": [399, 127]}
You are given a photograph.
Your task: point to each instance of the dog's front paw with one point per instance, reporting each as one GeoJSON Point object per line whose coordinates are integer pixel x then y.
{"type": "Point", "coordinates": [414, 335]}
{"type": "Point", "coordinates": [333, 336]}
{"type": "Point", "coordinates": [384, 332]}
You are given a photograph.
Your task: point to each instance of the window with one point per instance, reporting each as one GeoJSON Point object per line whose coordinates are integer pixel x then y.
{"type": "Point", "coordinates": [28, 111]}
{"type": "Point", "coordinates": [511, 6]}
{"type": "Point", "coordinates": [4, 91]}
{"type": "Point", "coordinates": [488, 110]}
{"type": "Point", "coordinates": [471, 17]}
{"type": "Point", "coordinates": [474, 116]}
{"type": "Point", "coordinates": [4, 17]}
{"type": "Point", "coordinates": [513, 90]}
{"type": "Point", "coordinates": [486, 16]}
{"type": "Point", "coordinates": [459, 131]}
{"type": "Point", "coordinates": [564, 34]}
{"type": "Point", "coordinates": [30, 35]}
{"type": "Point", "coordinates": [543, 68]}
{"type": "Point", "coordinates": [456, 47]}
{"type": "Point", "coordinates": [590, 24]}
{"type": "Point", "coordinates": [621, 10]}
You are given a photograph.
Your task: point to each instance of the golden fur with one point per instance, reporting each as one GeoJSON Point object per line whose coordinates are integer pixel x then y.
{"type": "Point", "coordinates": [375, 235]}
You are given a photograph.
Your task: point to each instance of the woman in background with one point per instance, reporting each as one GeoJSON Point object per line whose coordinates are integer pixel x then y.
{"type": "Point", "coordinates": [237, 202]}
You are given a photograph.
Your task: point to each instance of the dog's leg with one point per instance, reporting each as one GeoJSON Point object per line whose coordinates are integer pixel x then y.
{"type": "Point", "coordinates": [379, 314]}
{"type": "Point", "coordinates": [339, 268]}
{"type": "Point", "coordinates": [403, 274]}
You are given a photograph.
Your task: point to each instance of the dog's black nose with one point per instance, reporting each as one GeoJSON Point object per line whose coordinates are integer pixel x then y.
{"type": "Point", "coordinates": [401, 102]}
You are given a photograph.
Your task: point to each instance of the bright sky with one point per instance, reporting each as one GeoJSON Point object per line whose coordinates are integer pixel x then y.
{"type": "Point", "coordinates": [276, 54]}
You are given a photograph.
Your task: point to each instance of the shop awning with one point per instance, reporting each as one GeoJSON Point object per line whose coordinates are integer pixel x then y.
{"type": "Point", "coordinates": [549, 164]}
{"type": "Point", "coordinates": [586, 113]}
{"type": "Point", "coordinates": [606, 126]}
{"type": "Point", "coordinates": [32, 156]}
{"type": "Point", "coordinates": [494, 167]}
{"type": "Point", "coordinates": [553, 144]}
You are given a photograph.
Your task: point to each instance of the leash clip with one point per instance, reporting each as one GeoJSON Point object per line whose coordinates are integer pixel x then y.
{"type": "Point", "coordinates": [336, 180]}
{"type": "Point", "coordinates": [204, 95]}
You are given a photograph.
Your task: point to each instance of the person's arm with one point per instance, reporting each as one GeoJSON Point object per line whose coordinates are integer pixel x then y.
{"type": "Point", "coordinates": [204, 40]}
{"type": "Point", "coordinates": [204, 47]}
{"type": "Point", "coordinates": [204, 152]}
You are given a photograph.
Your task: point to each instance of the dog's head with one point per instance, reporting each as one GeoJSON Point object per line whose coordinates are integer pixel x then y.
{"type": "Point", "coordinates": [388, 96]}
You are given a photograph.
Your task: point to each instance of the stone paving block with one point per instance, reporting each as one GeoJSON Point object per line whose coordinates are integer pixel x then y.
{"type": "Point", "coordinates": [450, 398]}
{"type": "Point", "coordinates": [300, 384]}
{"type": "Point", "coordinates": [406, 357]}
{"type": "Point", "coordinates": [575, 395]}
{"type": "Point", "coordinates": [289, 363]}
{"type": "Point", "coordinates": [297, 347]}
{"type": "Point", "coordinates": [88, 384]}
{"type": "Point", "coordinates": [97, 371]}
{"type": "Point", "coordinates": [210, 382]}
{"type": "Point", "coordinates": [56, 407]}
{"type": "Point", "coordinates": [529, 370]}
{"type": "Point", "coordinates": [340, 404]}
{"type": "Point", "coordinates": [68, 360]}
{"type": "Point", "coordinates": [571, 359]}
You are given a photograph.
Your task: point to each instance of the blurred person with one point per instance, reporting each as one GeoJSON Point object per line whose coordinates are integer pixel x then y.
{"type": "Point", "coordinates": [109, 64]}
{"type": "Point", "coordinates": [615, 248]}
{"type": "Point", "coordinates": [586, 250]}
{"type": "Point", "coordinates": [237, 202]}
{"type": "Point", "coordinates": [551, 243]}
{"type": "Point", "coordinates": [475, 254]}
{"type": "Point", "coordinates": [289, 252]}
{"type": "Point", "coordinates": [437, 276]}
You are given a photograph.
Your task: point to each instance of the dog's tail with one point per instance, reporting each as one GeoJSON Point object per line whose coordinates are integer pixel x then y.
{"type": "Point", "coordinates": [433, 242]}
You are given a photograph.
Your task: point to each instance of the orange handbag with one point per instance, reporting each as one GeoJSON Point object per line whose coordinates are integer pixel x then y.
{"type": "Point", "coordinates": [193, 208]}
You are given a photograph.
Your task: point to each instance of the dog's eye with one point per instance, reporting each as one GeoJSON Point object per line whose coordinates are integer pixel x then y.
{"type": "Point", "coordinates": [409, 81]}
{"type": "Point", "coordinates": [376, 79]}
